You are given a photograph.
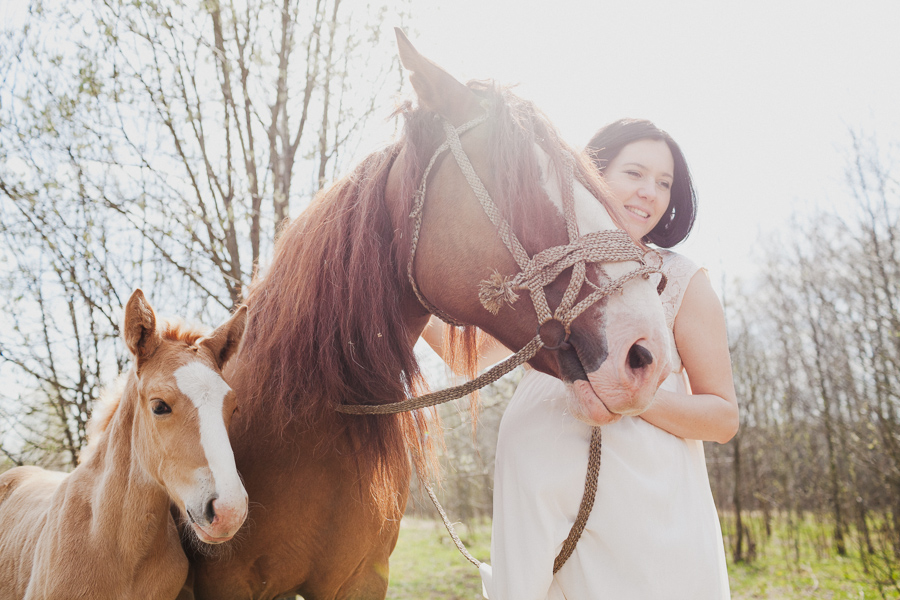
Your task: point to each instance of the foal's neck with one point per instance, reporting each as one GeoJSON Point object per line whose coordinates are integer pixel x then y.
{"type": "Point", "coordinates": [128, 507]}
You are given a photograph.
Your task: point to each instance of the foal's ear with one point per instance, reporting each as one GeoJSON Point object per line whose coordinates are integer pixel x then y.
{"type": "Point", "coordinates": [139, 329]}
{"type": "Point", "coordinates": [436, 88]}
{"type": "Point", "coordinates": [225, 340]}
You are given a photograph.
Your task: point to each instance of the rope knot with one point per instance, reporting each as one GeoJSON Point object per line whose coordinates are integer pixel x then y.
{"type": "Point", "coordinates": [496, 290]}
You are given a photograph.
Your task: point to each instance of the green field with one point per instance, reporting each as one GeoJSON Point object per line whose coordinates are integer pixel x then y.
{"type": "Point", "coordinates": [426, 565]}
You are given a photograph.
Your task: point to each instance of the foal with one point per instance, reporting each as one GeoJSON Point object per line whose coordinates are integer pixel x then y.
{"type": "Point", "coordinates": [105, 531]}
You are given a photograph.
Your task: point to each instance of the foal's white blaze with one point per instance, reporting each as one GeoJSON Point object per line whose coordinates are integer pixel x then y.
{"type": "Point", "coordinates": [207, 390]}
{"type": "Point", "coordinates": [634, 316]}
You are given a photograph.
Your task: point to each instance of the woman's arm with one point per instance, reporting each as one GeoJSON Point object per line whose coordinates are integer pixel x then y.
{"type": "Point", "coordinates": [710, 412]}
{"type": "Point", "coordinates": [490, 351]}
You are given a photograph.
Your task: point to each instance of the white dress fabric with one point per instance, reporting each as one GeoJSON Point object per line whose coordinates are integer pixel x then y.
{"type": "Point", "coordinates": [653, 532]}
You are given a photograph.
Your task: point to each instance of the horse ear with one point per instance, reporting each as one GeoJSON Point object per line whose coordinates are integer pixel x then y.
{"type": "Point", "coordinates": [225, 340]}
{"type": "Point", "coordinates": [139, 330]}
{"type": "Point", "coordinates": [436, 89]}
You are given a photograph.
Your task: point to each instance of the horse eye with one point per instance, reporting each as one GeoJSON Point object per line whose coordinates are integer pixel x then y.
{"type": "Point", "coordinates": [160, 408]}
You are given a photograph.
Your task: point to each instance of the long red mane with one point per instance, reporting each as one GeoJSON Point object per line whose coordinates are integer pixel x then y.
{"type": "Point", "coordinates": [325, 318]}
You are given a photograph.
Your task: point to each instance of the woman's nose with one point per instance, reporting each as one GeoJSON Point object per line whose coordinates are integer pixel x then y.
{"type": "Point", "coordinates": [647, 191]}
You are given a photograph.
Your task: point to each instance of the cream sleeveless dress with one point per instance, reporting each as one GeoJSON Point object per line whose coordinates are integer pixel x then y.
{"type": "Point", "coordinates": [653, 533]}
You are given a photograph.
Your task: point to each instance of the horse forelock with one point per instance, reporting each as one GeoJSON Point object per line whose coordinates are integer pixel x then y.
{"type": "Point", "coordinates": [177, 330]}
{"type": "Point", "coordinates": [519, 126]}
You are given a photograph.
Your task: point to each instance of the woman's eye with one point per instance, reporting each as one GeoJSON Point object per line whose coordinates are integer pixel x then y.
{"type": "Point", "coordinates": [160, 408]}
{"type": "Point", "coordinates": [632, 173]}
{"type": "Point", "coordinates": [665, 185]}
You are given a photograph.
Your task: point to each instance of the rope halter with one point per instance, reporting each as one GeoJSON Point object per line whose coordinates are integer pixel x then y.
{"type": "Point", "coordinates": [535, 273]}
{"type": "Point", "coordinates": [539, 271]}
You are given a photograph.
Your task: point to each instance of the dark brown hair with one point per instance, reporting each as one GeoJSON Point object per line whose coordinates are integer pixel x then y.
{"type": "Point", "coordinates": [678, 220]}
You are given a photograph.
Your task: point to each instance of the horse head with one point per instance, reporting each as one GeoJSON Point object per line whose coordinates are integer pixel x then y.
{"type": "Point", "coordinates": [183, 413]}
{"type": "Point", "coordinates": [613, 351]}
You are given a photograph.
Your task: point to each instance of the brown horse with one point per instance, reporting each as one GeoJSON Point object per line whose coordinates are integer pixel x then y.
{"type": "Point", "coordinates": [334, 318]}
{"type": "Point", "coordinates": [106, 530]}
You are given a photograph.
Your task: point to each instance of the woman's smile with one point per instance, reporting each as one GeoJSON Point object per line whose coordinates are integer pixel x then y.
{"type": "Point", "coordinates": [644, 215]}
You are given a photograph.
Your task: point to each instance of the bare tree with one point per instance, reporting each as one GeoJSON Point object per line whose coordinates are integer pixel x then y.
{"type": "Point", "coordinates": [158, 144]}
{"type": "Point", "coordinates": [816, 351]}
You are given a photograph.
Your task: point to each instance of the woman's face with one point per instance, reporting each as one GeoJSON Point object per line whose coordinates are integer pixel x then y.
{"type": "Point", "coordinates": [640, 178]}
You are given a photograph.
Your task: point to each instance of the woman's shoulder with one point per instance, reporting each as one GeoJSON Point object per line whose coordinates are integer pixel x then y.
{"type": "Point", "coordinates": [676, 264]}
{"type": "Point", "coordinates": [679, 270]}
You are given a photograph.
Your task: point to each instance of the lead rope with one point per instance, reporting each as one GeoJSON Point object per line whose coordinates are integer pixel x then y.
{"type": "Point", "coordinates": [459, 545]}
{"type": "Point", "coordinates": [534, 275]}
{"type": "Point", "coordinates": [584, 509]}
{"type": "Point", "coordinates": [587, 502]}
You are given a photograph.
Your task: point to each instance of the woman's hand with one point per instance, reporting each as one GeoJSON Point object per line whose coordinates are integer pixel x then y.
{"type": "Point", "coordinates": [710, 411]}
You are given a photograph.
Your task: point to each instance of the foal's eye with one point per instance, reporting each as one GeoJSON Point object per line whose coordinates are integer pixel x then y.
{"type": "Point", "coordinates": [160, 408]}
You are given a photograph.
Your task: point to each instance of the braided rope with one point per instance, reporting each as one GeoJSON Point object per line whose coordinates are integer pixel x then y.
{"type": "Point", "coordinates": [486, 378]}
{"type": "Point", "coordinates": [587, 502]}
{"type": "Point", "coordinates": [416, 216]}
{"type": "Point", "coordinates": [539, 271]}
{"type": "Point", "coordinates": [579, 270]}
{"type": "Point", "coordinates": [449, 526]}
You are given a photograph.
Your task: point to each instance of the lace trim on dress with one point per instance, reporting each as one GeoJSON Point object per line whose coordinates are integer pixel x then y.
{"type": "Point", "coordinates": [679, 270]}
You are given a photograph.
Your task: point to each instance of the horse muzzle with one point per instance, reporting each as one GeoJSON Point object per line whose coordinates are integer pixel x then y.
{"type": "Point", "coordinates": [619, 379]}
{"type": "Point", "coordinates": [219, 520]}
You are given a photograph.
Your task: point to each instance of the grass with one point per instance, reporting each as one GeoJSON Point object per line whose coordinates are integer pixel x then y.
{"type": "Point", "coordinates": [427, 565]}
{"type": "Point", "coordinates": [802, 562]}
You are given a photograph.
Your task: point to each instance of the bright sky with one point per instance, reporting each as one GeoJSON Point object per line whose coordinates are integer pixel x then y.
{"type": "Point", "coordinates": [760, 95]}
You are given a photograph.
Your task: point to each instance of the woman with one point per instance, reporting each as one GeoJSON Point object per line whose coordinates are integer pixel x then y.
{"type": "Point", "coordinates": [653, 531]}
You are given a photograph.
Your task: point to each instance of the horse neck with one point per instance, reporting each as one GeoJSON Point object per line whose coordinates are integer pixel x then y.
{"type": "Point", "coordinates": [128, 507]}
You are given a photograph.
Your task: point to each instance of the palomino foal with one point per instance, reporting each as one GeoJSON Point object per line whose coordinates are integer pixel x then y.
{"type": "Point", "coordinates": [105, 531]}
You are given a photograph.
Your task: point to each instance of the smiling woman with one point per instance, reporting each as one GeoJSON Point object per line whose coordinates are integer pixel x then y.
{"type": "Point", "coordinates": [653, 531]}
{"type": "Point", "coordinates": [647, 173]}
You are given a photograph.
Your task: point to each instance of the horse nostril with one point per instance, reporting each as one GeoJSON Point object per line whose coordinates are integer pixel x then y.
{"type": "Point", "coordinates": [210, 511]}
{"type": "Point", "coordinates": [639, 357]}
